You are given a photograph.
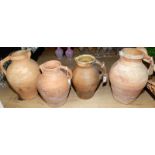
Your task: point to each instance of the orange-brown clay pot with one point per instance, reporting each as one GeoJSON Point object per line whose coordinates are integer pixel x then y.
{"type": "Point", "coordinates": [54, 83]}
{"type": "Point", "coordinates": [87, 75]}
{"type": "Point", "coordinates": [128, 76]}
{"type": "Point", "coordinates": [22, 74]}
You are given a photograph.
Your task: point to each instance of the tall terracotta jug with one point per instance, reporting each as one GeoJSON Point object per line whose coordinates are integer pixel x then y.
{"type": "Point", "coordinates": [128, 76]}
{"type": "Point", "coordinates": [22, 73]}
{"type": "Point", "coordinates": [87, 75]}
{"type": "Point", "coordinates": [54, 83]}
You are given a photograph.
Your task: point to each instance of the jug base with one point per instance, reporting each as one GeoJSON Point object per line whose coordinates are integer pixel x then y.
{"type": "Point", "coordinates": [84, 95]}
{"type": "Point", "coordinates": [123, 101]}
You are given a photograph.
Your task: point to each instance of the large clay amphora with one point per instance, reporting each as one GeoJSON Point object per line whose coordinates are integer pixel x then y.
{"type": "Point", "coordinates": [54, 83]}
{"type": "Point", "coordinates": [22, 74]}
{"type": "Point", "coordinates": [87, 75]}
{"type": "Point", "coordinates": [128, 76]}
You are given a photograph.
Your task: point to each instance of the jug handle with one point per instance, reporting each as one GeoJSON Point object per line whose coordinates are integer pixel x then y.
{"type": "Point", "coordinates": [41, 68]}
{"type": "Point", "coordinates": [151, 68]}
{"type": "Point", "coordinates": [149, 60]}
{"type": "Point", "coordinates": [69, 72]}
{"type": "Point", "coordinates": [29, 54]}
{"type": "Point", "coordinates": [103, 70]}
{"type": "Point", "coordinates": [2, 62]}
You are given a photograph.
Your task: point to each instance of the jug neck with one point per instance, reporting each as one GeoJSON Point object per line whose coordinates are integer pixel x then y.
{"type": "Point", "coordinates": [49, 67]}
{"type": "Point", "coordinates": [85, 60]}
{"type": "Point", "coordinates": [127, 60]}
{"type": "Point", "coordinates": [21, 55]}
{"type": "Point", "coordinates": [86, 65]}
{"type": "Point", "coordinates": [129, 55]}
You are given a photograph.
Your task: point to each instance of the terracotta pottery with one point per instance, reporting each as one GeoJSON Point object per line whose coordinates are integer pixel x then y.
{"type": "Point", "coordinates": [128, 76]}
{"type": "Point", "coordinates": [87, 75]}
{"type": "Point", "coordinates": [54, 83]}
{"type": "Point", "coordinates": [22, 74]}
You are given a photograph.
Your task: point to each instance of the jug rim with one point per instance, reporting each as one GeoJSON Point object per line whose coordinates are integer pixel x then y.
{"type": "Point", "coordinates": [50, 65]}
{"type": "Point", "coordinates": [80, 59]}
{"type": "Point", "coordinates": [131, 53]}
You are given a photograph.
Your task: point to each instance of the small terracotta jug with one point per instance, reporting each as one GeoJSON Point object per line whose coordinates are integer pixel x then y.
{"type": "Point", "coordinates": [86, 75]}
{"type": "Point", "coordinates": [128, 76]}
{"type": "Point", "coordinates": [22, 74]}
{"type": "Point", "coordinates": [54, 83]}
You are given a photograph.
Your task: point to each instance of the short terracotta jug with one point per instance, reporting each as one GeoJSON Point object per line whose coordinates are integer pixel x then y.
{"type": "Point", "coordinates": [128, 76]}
{"type": "Point", "coordinates": [87, 75]}
{"type": "Point", "coordinates": [22, 74]}
{"type": "Point", "coordinates": [54, 83]}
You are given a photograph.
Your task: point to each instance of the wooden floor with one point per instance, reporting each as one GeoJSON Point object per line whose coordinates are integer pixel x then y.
{"type": "Point", "coordinates": [102, 99]}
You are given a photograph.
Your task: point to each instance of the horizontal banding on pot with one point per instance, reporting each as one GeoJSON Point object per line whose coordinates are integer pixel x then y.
{"type": "Point", "coordinates": [131, 53]}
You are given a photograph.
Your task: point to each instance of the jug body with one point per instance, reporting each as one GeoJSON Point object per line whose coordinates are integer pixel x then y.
{"type": "Point", "coordinates": [86, 76]}
{"type": "Point", "coordinates": [53, 84]}
{"type": "Point", "coordinates": [128, 76]}
{"type": "Point", "coordinates": [22, 74]}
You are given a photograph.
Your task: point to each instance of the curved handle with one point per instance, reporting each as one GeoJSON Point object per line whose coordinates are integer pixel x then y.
{"type": "Point", "coordinates": [29, 54]}
{"type": "Point", "coordinates": [149, 60]}
{"type": "Point", "coordinates": [69, 72]}
{"type": "Point", "coordinates": [41, 68]}
{"type": "Point", "coordinates": [103, 70]}
{"type": "Point", "coordinates": [3, 62]}
{"type": "Point", "coordinates": [152, 66]}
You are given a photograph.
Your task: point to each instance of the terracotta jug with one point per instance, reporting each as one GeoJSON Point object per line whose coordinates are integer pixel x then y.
{"type": "Point", "coordinates": [87, 75]}
{"type": "Point", "coordinates": [128, 76]}
{"type": "Point", "coordinates": [22, 74]}
{"type": "Point", "coordinates": [54, 83]}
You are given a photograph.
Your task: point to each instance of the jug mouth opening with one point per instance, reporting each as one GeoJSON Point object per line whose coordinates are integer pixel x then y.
{"type": "Point", "coordinates": [85, 59]}
{"type": "Point", "coordinates": [50, 65]}
{"type": "Point", "coordinates": [131, 53]}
